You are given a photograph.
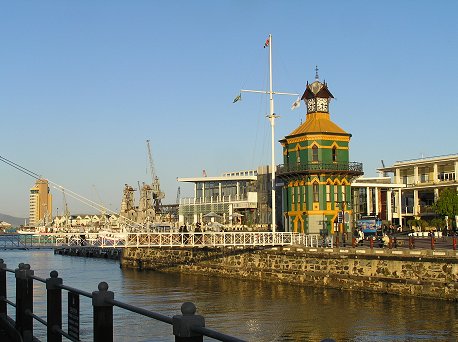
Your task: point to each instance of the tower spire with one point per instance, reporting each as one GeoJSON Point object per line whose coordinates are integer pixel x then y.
{"type": "Point", "coordinates": [316, 73]}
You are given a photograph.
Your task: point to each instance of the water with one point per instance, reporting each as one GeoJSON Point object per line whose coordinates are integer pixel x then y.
{"type": "Point", "coordinates": [250, 310]}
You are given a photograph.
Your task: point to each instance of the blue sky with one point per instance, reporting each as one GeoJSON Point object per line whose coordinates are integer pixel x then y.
{"type": "Point", "coordinates": [83, 85]}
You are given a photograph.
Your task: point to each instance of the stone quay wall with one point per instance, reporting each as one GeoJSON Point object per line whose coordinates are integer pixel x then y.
{"type": "Point", "coordinates": [423, 273]}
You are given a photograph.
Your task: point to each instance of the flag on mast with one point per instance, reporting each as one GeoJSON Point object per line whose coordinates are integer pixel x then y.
{"type": "Point", "coordinates": [238, 98]}
{"type": "Point", "coordinates": [296, 103]}
{"type": "Point", "coordinates": [266, 44]}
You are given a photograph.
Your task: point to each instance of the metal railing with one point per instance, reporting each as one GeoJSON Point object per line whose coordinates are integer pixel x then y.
{"type": "Point", "coordinates": [215, 239]}
{"type": "Point", "coordinates": [26, 241]}
{"type": "Point", "coordinates": [163, 239]}
{"type": "Point", "coordinates": [185, 327]}
{"type": "Point", "coordinates": [352, 167]}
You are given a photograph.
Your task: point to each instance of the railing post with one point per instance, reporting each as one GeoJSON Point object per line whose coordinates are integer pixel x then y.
{"type": "Point", "coordinates": [54, 307]}
{"type": "Point", "coordinates": [3, 306]}
{"type": "Point", "coordinates": [24, 301]}
{"type": "Point", "coordinates": [433, 242]}
{"type": "Point", "coordinates": [411, 242]}
{"type": "Point", "coordinates": [182, 324]}
{"type": "Point", "coordinates": [371, 242]}
{"type": "Point", "coordinates": [103, 313]}
{"type": "Point", "coordinates": [454, 242]}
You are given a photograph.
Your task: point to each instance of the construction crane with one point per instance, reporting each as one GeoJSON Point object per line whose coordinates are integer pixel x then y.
{"type": "Point", "coordinates": [66, 211]}
{"type": "Point", "coordinates": [158, 195]}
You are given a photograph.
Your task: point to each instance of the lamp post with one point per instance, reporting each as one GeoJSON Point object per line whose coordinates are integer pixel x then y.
{"type": "Point", "coordinates": [343, 206]}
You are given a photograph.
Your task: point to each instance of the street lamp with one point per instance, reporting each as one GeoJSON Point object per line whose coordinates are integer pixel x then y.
{"type": "Point", "coordinates": [343, 205]}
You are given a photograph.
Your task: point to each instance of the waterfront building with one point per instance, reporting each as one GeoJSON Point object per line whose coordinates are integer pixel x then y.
{"type": "Point", "coordinates": [240, 199]}
{"type": "Point", "coordinates": [378, 197]}
{"type": "Point", "coordinates": [40, 203]}
{"type": "Point", "coordinates": [423, 180]}
{"type": "Point", "coordinates": [85, 220]}
{"type": "Point", "coordinates": [317, 173]}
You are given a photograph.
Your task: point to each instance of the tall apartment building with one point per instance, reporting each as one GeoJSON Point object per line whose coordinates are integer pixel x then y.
{"type": "Point", "coordinates": [40, 203]}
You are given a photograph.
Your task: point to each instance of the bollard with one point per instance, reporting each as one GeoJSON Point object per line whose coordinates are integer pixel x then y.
{"type": "Point", "coordinates": [411, 242]}
{"type": "Point", "coordinates": [353, 242]}
{"type": "Point", "coordinates": [24, 301]}
{"type": "Point", "coordinates": [182, 324]}
{"type": "Point", "coordinates": [3, 306]}
{"type": "Point", "coordinates": [337, 240]}
{"type": "Point", "coordinates": [454, 243]}
{"type": "Point", "coordinates": [54, 307]}
{"type": "Point", "coordinates": [103, 314]}
{"type": "Point", "coordinates": [371, 242]}
{"type": "Point", "coordinates": [432, 242]}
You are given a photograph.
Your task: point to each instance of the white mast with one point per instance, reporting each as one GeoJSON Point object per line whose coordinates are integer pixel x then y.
{"type": "Point", "coordinates": [271, 118]}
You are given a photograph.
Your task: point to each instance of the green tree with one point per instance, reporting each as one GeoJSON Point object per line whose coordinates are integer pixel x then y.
{"type": "Point", "coordinates": [447, 203]}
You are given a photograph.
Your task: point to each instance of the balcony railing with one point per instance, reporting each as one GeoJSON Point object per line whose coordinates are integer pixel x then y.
{"type": "Point", "coordinates": [353, 168]}
{"type": "Point", "coordinates": [214, 199]}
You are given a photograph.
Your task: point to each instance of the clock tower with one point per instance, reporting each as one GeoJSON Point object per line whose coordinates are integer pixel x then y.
{"type": "Point", "coordinates": [317, 172]}
{"type": "Point", "coordinates": [317, 96]}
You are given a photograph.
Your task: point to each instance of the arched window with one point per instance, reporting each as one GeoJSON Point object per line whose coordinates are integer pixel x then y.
{"type": "Point", "coordinates": [314, 153]}
{"type": "Point", "coordinates": [334, 154]}
{"type": "Point", "coordinates": [316, 192]}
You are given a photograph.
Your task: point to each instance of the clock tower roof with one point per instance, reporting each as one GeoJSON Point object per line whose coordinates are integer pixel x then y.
{"type": "Point", "coordinates": [316, 89]}
{"type": "Point", "coordinates": [318, 123]}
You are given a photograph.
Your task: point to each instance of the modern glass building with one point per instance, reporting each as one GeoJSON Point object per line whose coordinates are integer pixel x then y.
{"type": "Point", "coordinates": [235, 198]}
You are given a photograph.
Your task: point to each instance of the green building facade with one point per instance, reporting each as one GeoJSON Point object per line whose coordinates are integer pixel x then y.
{"type": "Point", "coordinates": [317, 173]}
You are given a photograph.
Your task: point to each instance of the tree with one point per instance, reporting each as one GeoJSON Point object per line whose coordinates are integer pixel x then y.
{"type": "Point", "coordinates": [447, 203]}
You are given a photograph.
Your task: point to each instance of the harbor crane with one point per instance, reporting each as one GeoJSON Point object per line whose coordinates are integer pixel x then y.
{"type": "Point", "coordinates": [66, 210]}
{"type": "Point", "coordinates": [158, 195]}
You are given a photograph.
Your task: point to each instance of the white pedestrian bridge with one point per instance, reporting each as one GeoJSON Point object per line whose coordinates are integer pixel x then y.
{"type": "Point", "coordinates": [107, 239]}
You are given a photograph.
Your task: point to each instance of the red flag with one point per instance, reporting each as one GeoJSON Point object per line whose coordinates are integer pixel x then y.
{"type": "Point", "coordinates": [266, 43]}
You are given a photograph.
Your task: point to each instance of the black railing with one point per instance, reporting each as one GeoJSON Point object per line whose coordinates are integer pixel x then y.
{"type": "Point", "coordinates": [310, 167]}
{"type": "Point", "coordinates": [186, 327]}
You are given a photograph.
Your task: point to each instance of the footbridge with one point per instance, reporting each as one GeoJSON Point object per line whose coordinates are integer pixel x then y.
{"type": "Point", "coordinates": [106, 239]}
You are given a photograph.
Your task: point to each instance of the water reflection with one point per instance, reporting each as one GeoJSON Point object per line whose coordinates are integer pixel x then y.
{"type": "Point", "coordinates": [251, 310]}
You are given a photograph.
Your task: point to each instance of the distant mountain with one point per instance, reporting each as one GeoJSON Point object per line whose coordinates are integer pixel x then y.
{"type": "Point", "coordinates": [15, 221]}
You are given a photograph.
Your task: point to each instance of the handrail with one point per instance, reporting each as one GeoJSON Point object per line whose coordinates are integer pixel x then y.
{"type": "Point", "coordinates": [186, 327]}
{"type": "Point", "coordinates": [320, 166]}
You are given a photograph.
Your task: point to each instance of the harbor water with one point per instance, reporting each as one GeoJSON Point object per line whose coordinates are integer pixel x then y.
{"type": "Point", "coordinates": [253, 311]}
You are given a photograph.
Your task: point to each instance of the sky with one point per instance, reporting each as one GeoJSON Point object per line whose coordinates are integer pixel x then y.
{"type": "Point", "coordinates": [84, 84]}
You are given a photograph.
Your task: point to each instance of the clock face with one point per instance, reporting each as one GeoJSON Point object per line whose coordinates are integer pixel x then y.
{"type": "Point", "coordinates": [311, 105]}
{"type": "Point", "coordinates": [322, 104]}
